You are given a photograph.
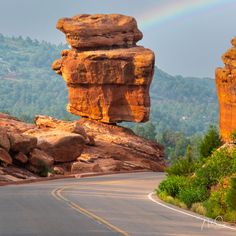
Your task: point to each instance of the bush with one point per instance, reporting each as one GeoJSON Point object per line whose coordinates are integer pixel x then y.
{"type": "Point", "coordinates": [216, 205]}
{"type": "Point", "coordinates": [198, 208]}
{"type": "Point", "coordinates": [192, 195]}
{"type": "Point", "coordinates": [210, 142]}
{"type": "Point", "coordinates": [230, 216]}
{"type": "Point", "coordinates": [231, 195]}
{"type": "Point", "coordinates": [173, 184]}
{"type": "Point", "coordinates": [219, 165]}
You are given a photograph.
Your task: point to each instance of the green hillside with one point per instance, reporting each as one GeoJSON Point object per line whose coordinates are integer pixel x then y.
{"type": "Point", "coordinates": [28, 86]}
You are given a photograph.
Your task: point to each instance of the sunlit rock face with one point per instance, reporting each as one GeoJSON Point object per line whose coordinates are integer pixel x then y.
{"type": "Point", "coordinates": [226, 88]}
{"type": "Point", "coordinates": [107, 75]}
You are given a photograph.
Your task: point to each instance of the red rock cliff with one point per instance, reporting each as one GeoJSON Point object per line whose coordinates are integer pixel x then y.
{"type": "Point", "coordinates": [226, 89]}
{"type": "Point", "coordinates": [107, 75]}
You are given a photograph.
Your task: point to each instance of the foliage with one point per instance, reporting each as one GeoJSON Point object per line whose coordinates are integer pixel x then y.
{"type": "Point", "coordinates": [183, 166]}
{"type": "Point", "coordinates": [198, 208]}
{"type": "Point", "coordinates": [192, 195]}
{"type": "Point", "coordinates": [219, 165]}
{"type": "Point", "coordinates": [208, 190]}
{"type": "Point", "coordinates": [173, 184]}
{"type": "Point", "coordinates": [231, 194]}
{"type": "Point", "coordinates": [216, 205]}
{"type": "Point", "coordinates": [210, 142]}
{"type": "Point", "coordinates": [147, 130]}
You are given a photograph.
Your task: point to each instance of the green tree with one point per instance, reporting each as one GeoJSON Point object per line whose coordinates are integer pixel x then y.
{"type": "Point", "coordinates": [147, 130]}
{"type": "Point", "coordinates": [210, 142]}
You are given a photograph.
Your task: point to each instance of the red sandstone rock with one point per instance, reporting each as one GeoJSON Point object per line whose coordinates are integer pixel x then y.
{"type": "Point", "coordinates": [109, 79]}
{"type": "Point", "coordinates": [100, 30]}
{"type": "Point", "coordinates": [22, 143]}
{"type": "Point", "coordinates": [47, 122]}
{"type": "Point", "coordinates": [121, 145]}
{"type": "Point", "coordinates": [5, 157]}
{"type": "Point", "coordinates": [62, 146]}
{"type": "Point", "coordinates": [12, 124]}
{"type": "Point", "coordinates": [108, 85]}
{"type": "Point", "coordinates": [4, 139]}
{"type": "Point", "coordinates": [38, 158]}
{"type": "Point", "coordinates": [21, 157]}
{"type": "Point", "coordinates": [226, 89]}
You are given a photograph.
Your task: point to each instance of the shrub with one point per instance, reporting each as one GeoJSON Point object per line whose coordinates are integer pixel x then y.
{"type": "Point", "coordinates": [230, 216]}
{"type": "Point", "coordinates": [231, 195]}
{"type": "Point", "coordinates": [183, 166]}
{"type": "Point", "coordinates": [210, 142]}
{"type": "Point", "coordinates": [216, 205]}
{"type": "Point", "coordinates": [219, 165]}
{"type": "Point", "coordinates": [173, 184]}
{"type": "Point", "coordinates": [198, 208]}
{"type": "Point", "coordinates": [192, 195]}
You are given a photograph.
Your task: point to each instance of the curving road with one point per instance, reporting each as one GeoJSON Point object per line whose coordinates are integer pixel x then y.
{"type": "Point", "coordinates": [105, 205]}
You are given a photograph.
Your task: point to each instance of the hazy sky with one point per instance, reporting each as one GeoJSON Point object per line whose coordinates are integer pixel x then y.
{"type": "Point", "coordinates": [187, 40]}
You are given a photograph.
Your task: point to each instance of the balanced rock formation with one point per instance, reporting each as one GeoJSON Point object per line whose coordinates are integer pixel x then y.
{"type": "Point", "coordinates": [107, 75]}
{"type": "Point", "coordinates": [226, 89]}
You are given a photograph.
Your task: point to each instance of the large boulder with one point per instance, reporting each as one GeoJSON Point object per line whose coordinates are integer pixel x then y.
{"type": "Point", "coordinates": [22, 143]}
{"type": "Point", "coordinates": [226, 89]}
{"type": "Point", "coordinates": [106, 82]}
{"type": "Point", "coordinates": [62, 146]}
{"type": "Point", "coordinates": [100, 30]}
{"type": "Point", "coordinates": [39, 158]}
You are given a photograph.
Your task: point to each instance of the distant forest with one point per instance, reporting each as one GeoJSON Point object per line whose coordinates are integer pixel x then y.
{"type": "Point", "coordinates": [28, 86]}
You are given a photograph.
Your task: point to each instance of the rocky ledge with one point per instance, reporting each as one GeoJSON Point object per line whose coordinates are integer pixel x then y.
{"type": "Point", "coordinates": [57, 147]}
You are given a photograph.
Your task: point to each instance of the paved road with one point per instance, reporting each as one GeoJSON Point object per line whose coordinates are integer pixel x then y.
{"type": "Point", "coordinates": [105, 205]}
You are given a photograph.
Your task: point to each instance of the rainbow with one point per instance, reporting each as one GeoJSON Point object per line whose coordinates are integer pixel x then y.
{"type": "Point", "coordinates": [169, 9]}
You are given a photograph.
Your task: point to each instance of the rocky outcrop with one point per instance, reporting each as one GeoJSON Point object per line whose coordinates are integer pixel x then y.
{"type": "Point", "coordinates": [226, 89]}
{"type": "Point", "coordinates": [107, 75]}
{"type": "Point", "coordinates": [73, 148]}
{"type": "Point", "coordinates": [100, 31]}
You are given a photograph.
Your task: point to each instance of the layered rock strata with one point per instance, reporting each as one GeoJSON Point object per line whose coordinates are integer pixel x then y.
{"type": "Point", "coordinates": [72, 147]}
{"type": "Point", "coordinates": [226, 89]}
{"type": "Point", "coordinates": [107, 75]}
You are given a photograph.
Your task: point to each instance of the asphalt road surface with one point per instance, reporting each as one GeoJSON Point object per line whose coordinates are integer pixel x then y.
{"type": "Point", "coordinates": [105, 205]}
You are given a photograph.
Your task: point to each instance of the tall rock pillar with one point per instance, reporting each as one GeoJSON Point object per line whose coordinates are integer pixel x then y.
{"type": "Point", "coordinates": [226, 89]}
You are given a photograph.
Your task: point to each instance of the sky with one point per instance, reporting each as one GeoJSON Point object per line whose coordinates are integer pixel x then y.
{"type": "Point", "coordinates": [187, 36]}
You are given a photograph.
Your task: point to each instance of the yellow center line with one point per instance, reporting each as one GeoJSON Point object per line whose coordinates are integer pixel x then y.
{"type": "Point", "coordinates": [57, 193]}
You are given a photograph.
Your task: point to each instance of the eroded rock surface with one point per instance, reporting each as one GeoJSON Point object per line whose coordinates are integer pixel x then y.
{"type": "Point", "coordinates": [100, 30]}
{"type": "Point", "coordinates": [109, 79]}
{"type": "Point", "coordinates": [226, 89]}
{"type": "Point", "coordinates": [75, 147]}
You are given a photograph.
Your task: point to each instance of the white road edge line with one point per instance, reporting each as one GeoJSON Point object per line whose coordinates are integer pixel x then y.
{"type": "Point", "coordinates": [204, 219]}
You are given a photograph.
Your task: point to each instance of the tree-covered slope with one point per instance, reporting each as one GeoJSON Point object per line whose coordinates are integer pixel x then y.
{"type": "Point", "coordinates": [28, 86]}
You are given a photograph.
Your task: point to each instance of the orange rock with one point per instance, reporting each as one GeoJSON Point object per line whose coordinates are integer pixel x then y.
{"type": "Point", "coordinates": [226, 89]}
{"type": "Point", "coordinates": [22, 143]}
{"type": "Point", "coordinates": [62, 146]}
{"type": "Point", "coordinates": [100, 30]}
{"type": "Point", "coordinates": [108, 85]}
